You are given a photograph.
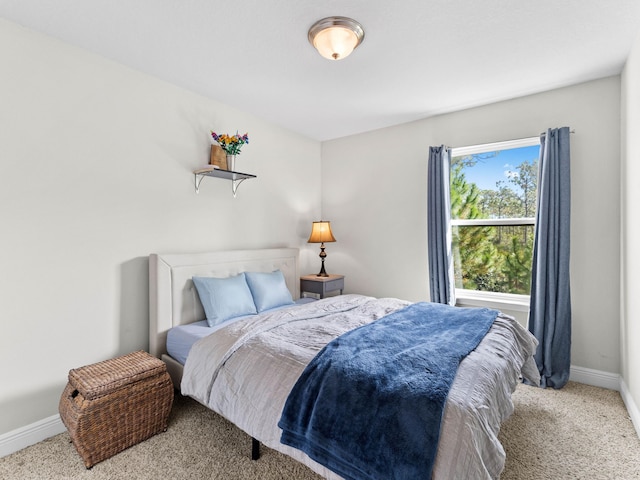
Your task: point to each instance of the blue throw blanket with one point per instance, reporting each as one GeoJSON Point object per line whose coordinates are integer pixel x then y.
{"type": "Point", "coordinates": [370, 404]}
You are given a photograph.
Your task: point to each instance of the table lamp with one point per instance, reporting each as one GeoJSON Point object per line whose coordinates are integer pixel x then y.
{"type": "Point", "coordinates": [320, 233]}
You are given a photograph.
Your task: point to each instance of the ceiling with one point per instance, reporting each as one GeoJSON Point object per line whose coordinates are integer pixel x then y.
{"type": "Point", "coordinates": [419, 57]}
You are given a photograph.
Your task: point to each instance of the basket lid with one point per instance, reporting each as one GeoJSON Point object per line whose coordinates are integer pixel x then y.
{"type": "Point", "coordinates": [98, 379]}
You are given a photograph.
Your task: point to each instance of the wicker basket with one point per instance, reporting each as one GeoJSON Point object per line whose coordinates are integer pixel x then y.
{"type": "Point", "coordinates": [112, 405]}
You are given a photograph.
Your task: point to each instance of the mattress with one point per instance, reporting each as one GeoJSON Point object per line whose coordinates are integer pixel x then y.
{"type": "Point", "coordinates": [180, 339]}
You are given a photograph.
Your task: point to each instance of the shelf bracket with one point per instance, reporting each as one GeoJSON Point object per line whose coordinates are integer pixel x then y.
{"type": "Point", "coordinates": [197, 181]}
{"type": "Point", "coordinates": [235, 184]}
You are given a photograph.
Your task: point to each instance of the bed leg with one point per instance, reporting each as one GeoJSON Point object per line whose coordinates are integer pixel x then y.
{"type": "Point", "coordinates": [255, 449]}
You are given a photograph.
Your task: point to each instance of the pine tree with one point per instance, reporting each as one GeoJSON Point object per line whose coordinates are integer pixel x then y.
{"type": "Point", "coordinates": [493, 258]}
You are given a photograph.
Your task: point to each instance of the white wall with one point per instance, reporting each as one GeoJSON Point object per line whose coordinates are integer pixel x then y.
{"type": "Point", "coordinates": [95, 174]}
{"type": "Point", "coordinates": [374, 194]}
{"type": "Point", "coordinates": [630, 238]}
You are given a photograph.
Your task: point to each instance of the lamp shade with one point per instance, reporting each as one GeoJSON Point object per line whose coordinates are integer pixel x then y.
{"type": "Point", "coordinates": [336, 37]}
{"type": "Point", "coordinates": [321, 233]}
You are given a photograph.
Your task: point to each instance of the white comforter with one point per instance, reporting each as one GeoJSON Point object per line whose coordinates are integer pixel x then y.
{"type": "Point", "coordinates": [245, 372]}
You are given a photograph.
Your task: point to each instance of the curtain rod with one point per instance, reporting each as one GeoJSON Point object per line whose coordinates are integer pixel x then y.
{"type": "Point", "coordinates": [570, 131]}
{"type": "Point", "coordinates": [448, 147]}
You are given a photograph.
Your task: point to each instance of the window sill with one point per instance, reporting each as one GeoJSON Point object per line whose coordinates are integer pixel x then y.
{"type": "Point", "coordinates": [499, 301]}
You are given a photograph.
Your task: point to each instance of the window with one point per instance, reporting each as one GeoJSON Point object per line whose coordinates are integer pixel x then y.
{"type": "Point", "coordinates": [493, 209]}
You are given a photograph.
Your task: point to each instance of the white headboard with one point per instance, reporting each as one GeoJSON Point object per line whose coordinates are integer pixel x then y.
{"type": "Point", "coordinates": [172, 297]}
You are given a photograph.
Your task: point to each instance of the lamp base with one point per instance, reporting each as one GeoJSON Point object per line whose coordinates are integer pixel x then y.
{"type": "Point", "coordinates": [323, 272]}
{"type": "Point", "coordinates": [323, 255]}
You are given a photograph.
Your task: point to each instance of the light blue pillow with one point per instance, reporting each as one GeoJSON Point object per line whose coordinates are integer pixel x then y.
{"type": "Point", "coordinates": [269, 290]}
{"type": "Point", "coordinates": [224, 298]}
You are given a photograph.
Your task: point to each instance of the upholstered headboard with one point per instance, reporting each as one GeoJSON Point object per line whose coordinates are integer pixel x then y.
{"type": "Point", "coordinates": [173, 299]}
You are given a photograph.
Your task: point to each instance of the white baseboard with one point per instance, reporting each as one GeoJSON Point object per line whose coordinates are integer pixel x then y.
{"type": "Point", "coordinates": [632, 408]}
{"type": "Point", "coordinates": [612, 381]}
{"type": "Point", "coordinates": [23, 437]}
{"type": "Point", "coordinates": [596, 378]}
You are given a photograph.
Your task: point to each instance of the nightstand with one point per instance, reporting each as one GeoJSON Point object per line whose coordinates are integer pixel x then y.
{"type": "Point", "coordinates": [321, 285]}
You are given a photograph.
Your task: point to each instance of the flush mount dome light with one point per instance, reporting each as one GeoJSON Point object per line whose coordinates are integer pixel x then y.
{"type": "Point", "coordinates": [336, 37]}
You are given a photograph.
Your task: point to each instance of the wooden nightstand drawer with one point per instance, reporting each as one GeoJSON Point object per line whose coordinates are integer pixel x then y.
{"type": "Point", "coordinates": [321, 285]}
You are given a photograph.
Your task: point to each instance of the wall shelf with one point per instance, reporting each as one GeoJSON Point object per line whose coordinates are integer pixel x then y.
{"type": "Point", "coordinates": [236, 177]}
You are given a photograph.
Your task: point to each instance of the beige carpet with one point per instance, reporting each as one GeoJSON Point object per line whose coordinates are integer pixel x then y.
{"type": "Point", "coordinates": [579, 432]}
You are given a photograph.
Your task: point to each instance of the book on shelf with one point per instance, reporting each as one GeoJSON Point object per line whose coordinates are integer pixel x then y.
{"type": "Point", "coordinates": [206, 169]}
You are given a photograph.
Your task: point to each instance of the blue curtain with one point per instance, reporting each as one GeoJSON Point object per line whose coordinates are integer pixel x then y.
{"type": "Point", "coordinates": [441, 284]}
{"type": "Point", "coordinates": [550, 312]}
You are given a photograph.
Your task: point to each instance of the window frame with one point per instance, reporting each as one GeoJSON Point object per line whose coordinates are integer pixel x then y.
{"type": "Point", "coordinates": [512, 301]}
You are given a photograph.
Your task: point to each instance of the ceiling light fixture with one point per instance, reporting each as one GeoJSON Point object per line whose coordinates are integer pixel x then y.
{"type": "Point", "coordinates": [336, 37]}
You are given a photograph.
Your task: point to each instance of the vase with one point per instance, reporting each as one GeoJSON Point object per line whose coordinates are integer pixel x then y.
{"type": "Point", "coordinates": [231, 163]}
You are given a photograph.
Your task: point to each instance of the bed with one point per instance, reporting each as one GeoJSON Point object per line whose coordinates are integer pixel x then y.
{"type": "Point", "coordinates": [252, 382]}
